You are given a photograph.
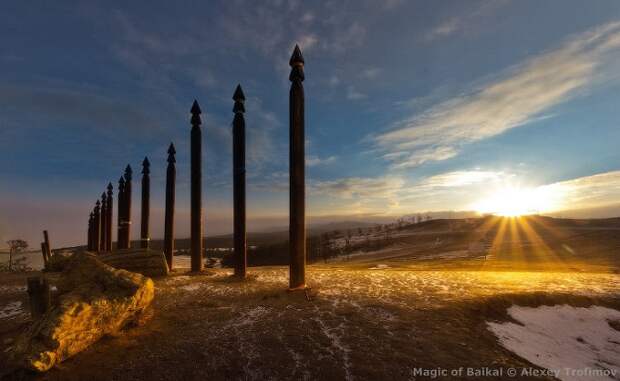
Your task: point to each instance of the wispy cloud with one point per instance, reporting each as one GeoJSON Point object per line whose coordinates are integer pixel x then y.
{"type": "Point", "coordinates": [514, 99]}
{"type": "Point", "coordinates": [460, 23]}
{"type": "Point", "coordinates": [358, 187]}
{"type": "Point", "coordinates": [464, 178]}
{"type": "Point", "coordinates": [588, 192]}
{"type": "Point", "coordinates": [354, 95]}
{"type": "Point", "coordinates": [313, 161]}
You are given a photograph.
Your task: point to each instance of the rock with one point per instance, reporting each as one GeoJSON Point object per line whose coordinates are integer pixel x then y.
{"type": "Point", "coordinates": [94, 300]}
{"type": "Point", "coordinates": [151, 263]}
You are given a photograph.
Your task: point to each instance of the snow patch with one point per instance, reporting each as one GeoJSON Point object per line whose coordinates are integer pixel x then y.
{"type": "Point", "coordinates": [11, 309]}
{"type": "Point", "coordinates": [11, 289]}
{"type": "Point", "coordinates": [564, 339]}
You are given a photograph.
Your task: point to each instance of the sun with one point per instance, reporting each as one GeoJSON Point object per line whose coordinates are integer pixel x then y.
{"type": "Point", "coordinates": [514, 201]}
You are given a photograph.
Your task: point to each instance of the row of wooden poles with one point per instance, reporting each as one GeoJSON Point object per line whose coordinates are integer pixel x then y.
{"type": "Point", "coordinates": [100, 220]}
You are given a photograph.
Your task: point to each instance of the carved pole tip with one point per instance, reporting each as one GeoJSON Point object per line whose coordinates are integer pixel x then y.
{"type": "Point", "coordinates": [128, 172]}
{"type": "Point", "coordinates": [296, 58]}
{"type": "Point", "coordinates": [238, 96]}
{"type": "Point", "coordinates": [195, 108]}
{"type": "Point", "coordinates": [146, 165]}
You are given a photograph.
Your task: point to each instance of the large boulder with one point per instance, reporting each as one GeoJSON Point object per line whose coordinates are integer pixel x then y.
{"type": "Point", "coordinates": [151, 263]}
{"type": "Point", "coordinates": [94, 300]}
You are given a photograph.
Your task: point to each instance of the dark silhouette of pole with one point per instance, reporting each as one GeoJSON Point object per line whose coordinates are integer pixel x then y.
{"type": "Point", "coordinates": [171, 174]}
{"type": "Point", "coordinates": [46, 240]}
{"type": "Point", "coordinates": [43, 251]}
{"type": "Point", "coordinates": [127, 209]}
{"type": "Point", "coordinates": [146, 204]}
{"type": "Point", "coordinates": [110, 215]}
{"type": "Point", "coordinates": [120, 226]}
{"type": "Point", "coordinates": [91, 221]}
{"type": "Point", "coordinates": [297, 224]}
{"type": "Point", "coordinates": [196, 185]}
{"type": "Point", "coordinates": [104, 221]}
{"type": "Point", "coordinates": [97, 227]}
{"type": "Point", "coordinates": [240, 244]}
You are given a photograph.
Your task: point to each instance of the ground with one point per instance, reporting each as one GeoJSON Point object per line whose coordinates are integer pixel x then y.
{"type": "Point", "coordinates": [389, 314]}
{"type": "Point", "coordinates": [354, 324]}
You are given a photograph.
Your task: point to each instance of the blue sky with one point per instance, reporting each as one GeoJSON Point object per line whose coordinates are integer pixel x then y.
{"type": "Point", "coordinates": [411, 106]}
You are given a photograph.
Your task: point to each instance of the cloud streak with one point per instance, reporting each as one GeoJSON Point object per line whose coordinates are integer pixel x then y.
{"type": "Point", "coordinates": [516, 98]}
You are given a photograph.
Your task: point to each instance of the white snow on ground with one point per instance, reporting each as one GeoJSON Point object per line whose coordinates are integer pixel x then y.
{"type": "Point", "coordinates": [577, 343]}
{"type": "Point", "coordinates": [11, 289]}
{"type": "Point", "coordinates": [11, 309]}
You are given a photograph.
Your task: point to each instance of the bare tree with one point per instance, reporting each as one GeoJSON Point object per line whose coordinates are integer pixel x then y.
{"type": "Point", "coordinates": [15, 246]}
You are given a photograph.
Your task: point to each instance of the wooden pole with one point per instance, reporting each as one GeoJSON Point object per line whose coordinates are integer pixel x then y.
{"type": "Point", "coordinates": [146, 200]}
{"type": "Point", "coordinates": [110, 215]}
{"type": "Point", "coordinates": [240, 244]}
{"type": "Point", "coordinates": [91, 220]}
{"type": "Point", "coordinates": [196, 188]}
{"type": "Point", "coordinates": [169, 216]}
{"type": "Point", "coordinates": [120, 211]}
{"type": "Point", "coordinates": [43, 251]}
{"type": "Point", "coordinates": [104, 221]}
{"type": "Point", "coordinates": [127, 209]}
{"type": "Point", "coordinates": [297, 225]}
{"type": "Point", "coordinates": [97, 227]}
{"type": "Point", "coordinates": [46, 240]}
{"type": "Point", "coordinates": [39, 296]}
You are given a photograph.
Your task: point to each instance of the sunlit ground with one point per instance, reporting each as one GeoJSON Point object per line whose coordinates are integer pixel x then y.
{"type": "Point", "coordinates": [423, 302]}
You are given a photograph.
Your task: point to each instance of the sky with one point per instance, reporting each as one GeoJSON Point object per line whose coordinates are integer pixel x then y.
{"type": "Point", "coordinates": [411, 107]}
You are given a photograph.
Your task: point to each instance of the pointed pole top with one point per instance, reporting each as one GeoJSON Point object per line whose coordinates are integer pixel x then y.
{"type": "Point", "coordinates": [296, 58]}
{"type": "Point", "coordinates": [195, 108]}
{"type": "Point", "coordinates": [97, 203]}
{"type": "Point", "coordinates": [195, 111]}
{"type": "Point", "coordinates": [110, 187]}
{"type": "Point", "coordinates": [171, 152]}
{"type": "Point", "coordinates": [128, 173]}
{"type": "Point", "coordinates": [121, 182]}
{"type": "Point", "coordinates": [104, 196]}
{"type": "Point", "coordinates": [145, 166]}
{"type": "Point", "coordinates": [239, 98]}
{"type": "Point", "coordinates": [238, 95]}
{"type": "Point", "coordinates": [297, 66]}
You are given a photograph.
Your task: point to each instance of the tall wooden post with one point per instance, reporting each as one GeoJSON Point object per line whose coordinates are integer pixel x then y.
{"type": "Point", "coordinates": [120, 210]}
{"type": "Point", "coordinates": [196, 185]}
{"type": "Point", "coordinates": [91, 221]}
{"type": "Point", "coordinates": [297, 223]}
{"type": "Point", "coordinates": [110, 214]}
{"type": "Point", "coordinates": [240, 245]}
{"type": "Point", "coordinates": [97, 227]}
{"type": "Point", "coordinates": [43, 251]}
{"type": "Point", "coordinates": [127, 208]}
{"type": "Point", "coordinates": [46, 240]}
{"type": "Point", "coordinates": [39, 295]}
{"type": "Point", "coordinates": [104, 221]}
{"type": "Point", "coordinates": [171, 174]}
{"type": "Point", "coordinates": [146, 197]}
